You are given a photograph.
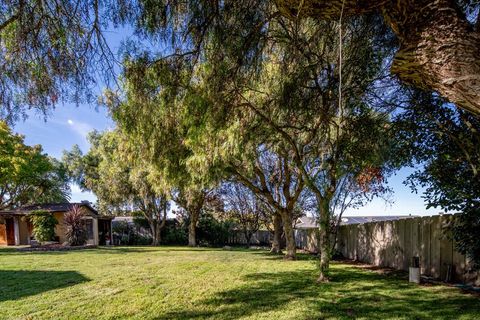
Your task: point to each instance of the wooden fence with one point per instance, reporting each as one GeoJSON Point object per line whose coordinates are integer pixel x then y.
{"type": "Point", "coordinates": [261, 237]}
{"type": "Point", "coordinates": [394, 243]}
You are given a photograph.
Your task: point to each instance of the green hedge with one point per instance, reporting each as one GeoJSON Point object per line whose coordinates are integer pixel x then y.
{"type": "Point", "coordinates": [43, 225]}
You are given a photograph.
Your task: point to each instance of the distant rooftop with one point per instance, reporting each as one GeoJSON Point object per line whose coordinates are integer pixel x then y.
{"type": "Point", "coordinates": [310, 222]}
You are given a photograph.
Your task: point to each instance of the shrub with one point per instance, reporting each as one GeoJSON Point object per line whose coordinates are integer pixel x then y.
{"type": "Point", "coordinates": [43, 225]}
{"type": "Point", "coordinates": [212, 232]}
{"type": "Point", "coordinates": [126, 234]}
{"type": "Point", "coordinates": [74, 225]}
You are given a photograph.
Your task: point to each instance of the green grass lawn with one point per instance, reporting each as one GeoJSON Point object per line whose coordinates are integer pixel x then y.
{"type": "Point", "coordinates": [184, 283]}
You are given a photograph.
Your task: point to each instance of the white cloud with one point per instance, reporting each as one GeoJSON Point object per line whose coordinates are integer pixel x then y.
{"type": "Point", "coordinates": [80, 128]}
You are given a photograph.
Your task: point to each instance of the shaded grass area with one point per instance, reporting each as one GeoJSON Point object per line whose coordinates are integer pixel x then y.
{"type": "Point", "coordinates": [185, 283]}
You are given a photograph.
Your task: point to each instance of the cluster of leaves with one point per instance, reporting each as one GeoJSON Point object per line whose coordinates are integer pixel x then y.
{"type": "Point", "coordinates": [120, 177]}
{"type": "Point", "coordinates": [43, 223]}
{"type": "Point", "coordinates": [27, 175]}
{"type": "Point", "coordinates": [445, 141]}
{"type": "Point", "coordinates": [75, 226]}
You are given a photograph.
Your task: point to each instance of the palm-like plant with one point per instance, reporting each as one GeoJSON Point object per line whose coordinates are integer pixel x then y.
{"type": "Point", "coordinates": [75, 229]}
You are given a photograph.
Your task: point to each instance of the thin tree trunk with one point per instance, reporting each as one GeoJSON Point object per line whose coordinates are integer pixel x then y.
{"type": "Point", "coordinates": [248, 236]}
{"type": "Point", "coordinates": [192, 230]}
{"type": "Point", "coordinates": [154, 231]}
{"type": "Point", "coordinates": [289, 236]}
{"type": "Point", "coordinates": [324, 240]}
{"type": "Point", "coordinates": [277, 234]}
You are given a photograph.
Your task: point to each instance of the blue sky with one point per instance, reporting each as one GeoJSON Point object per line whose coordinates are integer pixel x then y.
{"type": "Point", "coordinates": [69, 124]}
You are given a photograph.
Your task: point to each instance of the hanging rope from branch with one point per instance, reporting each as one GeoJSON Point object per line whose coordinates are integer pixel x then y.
{"type": "Point", "coordinates": [340, 105]}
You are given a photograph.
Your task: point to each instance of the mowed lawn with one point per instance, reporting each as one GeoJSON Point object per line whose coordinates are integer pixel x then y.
{"type": "Point", "coordinates": [184, 283]}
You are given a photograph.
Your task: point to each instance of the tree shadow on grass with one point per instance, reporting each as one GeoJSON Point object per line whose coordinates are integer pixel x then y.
{"type": "Point", "coordinates": [16, 284]}
{"type": "Point", "coordinates": [351, 294]}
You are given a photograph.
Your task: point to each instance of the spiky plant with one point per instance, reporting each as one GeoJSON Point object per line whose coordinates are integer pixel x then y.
{"type": "Point", "coordinates": [75, 228]}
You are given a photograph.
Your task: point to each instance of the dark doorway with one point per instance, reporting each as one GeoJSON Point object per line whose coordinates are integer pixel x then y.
{"type": "Point", "coordinates": [104, 231]}
{"type": "Point", "coordinates": [10, 231]}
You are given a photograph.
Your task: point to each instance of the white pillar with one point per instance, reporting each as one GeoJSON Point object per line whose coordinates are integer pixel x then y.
{"type": "Point", "coordinates": [16, 231]}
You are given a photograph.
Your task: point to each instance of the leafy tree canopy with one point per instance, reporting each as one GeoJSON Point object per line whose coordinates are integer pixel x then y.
{"type": "Point", "coordinates": [27, 175]}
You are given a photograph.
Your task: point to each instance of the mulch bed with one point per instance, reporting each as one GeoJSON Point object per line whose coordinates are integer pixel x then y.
{"type": "Point", "coordinates": [55, 247]}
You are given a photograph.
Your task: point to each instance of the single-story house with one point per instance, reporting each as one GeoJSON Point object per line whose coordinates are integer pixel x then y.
{"type": "Point", "coordinates": [306, 229]}
{"type": "Point", "coordinates": [16, 229]}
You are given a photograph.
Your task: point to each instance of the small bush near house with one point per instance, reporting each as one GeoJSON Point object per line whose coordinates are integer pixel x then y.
{"type": "Point", "coordinates": [43, 225]}
{"type": "Point", "coordinates": [75, 229]}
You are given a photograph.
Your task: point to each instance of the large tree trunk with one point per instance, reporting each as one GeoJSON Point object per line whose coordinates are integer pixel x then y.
{"type": "Point", "coordinates": [439, 50]}
{"type": "Point", "coordinates": [325, 252]}
{"type": "Point", "coordinates": [277, 234]}
{"type": "Point", "coordinates": [289, 236]}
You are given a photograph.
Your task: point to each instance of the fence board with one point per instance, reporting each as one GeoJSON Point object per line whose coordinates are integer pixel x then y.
{"type": "Point", "coordinates": [394, 243]}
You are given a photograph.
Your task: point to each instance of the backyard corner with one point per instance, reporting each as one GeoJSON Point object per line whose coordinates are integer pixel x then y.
{"type": "Point", "coordinates": [198, 283]}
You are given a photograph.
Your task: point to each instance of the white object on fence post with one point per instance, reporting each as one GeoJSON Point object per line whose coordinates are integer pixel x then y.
{"type": "Point", "coordinates": [414, 270]}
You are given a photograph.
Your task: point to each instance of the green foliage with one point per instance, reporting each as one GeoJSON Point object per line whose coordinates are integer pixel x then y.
{"type": "Point", "coordinates": [445, 143]}
{"type": "Point", "coordinates": [176, 235]}
{"type": "Point", "coordinates": [43, 223]}
{"type": "Point", "coordinates": [465, 229]}
{"type": "Point", "coordinates": [120, 176]}
{"type": "Point", "coordinates": [27, 175]}
{"type": "Point", "coordinates": [213, 232]}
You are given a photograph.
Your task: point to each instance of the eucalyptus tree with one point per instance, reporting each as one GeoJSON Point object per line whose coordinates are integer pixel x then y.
{"type": "Point", "coordinates": [121, 179]}
{"type": "Point", "coordinates": [276, 181]}
{"type": "Point", "coordinates": [53, 50]}
{"type": "Point", "coordinates": [159, 113]}
{"type": "Point", "coordinates": [334, 140]}
{"type": "Point", "coordinates": [27, 175]}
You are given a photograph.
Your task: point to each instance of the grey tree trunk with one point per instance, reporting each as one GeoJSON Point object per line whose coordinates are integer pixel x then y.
{"type": "Point", "coordinates": [192, 240]}
{"type": "Point", "coordinates": [324, 240]}
{"type": "Point", "coordinates": [192, 229]}
{"type": "Point", "coordinates": [289, 236]}
{"type": "Point", "coordinates": [277, 234]}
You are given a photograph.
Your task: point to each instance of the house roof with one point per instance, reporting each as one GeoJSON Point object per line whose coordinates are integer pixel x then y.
{"type": "Point", "coordinates": [367, 219]}
{"type": "Point", "coordinates": [311, 223]}
{"type": "Point", "coordinates": [306, 223]}
{"type": "Point", "coordinates": [50, 207]}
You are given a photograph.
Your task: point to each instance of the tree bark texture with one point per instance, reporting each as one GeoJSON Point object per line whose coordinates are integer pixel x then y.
{"type": "Point", "coordinates": [439, 49]}
{"type": "Point", "coordinates": [324, 240]}
{"type": "Point", "coordinates": [192, 230]}
{"type": "Point", "coordinates": [277, 234]}
{"type": "Point", "coordinates": [289, 235]}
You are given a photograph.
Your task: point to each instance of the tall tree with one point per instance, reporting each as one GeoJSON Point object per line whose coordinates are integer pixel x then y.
{"type": "Point", "coordinates": [155, 116]}
{"type": "Point", "coordinates": [28, 176]}
{"type": "Point", "coordinates": [276, 181]}
{"type": "Point", "coordinates": [121, 179]}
